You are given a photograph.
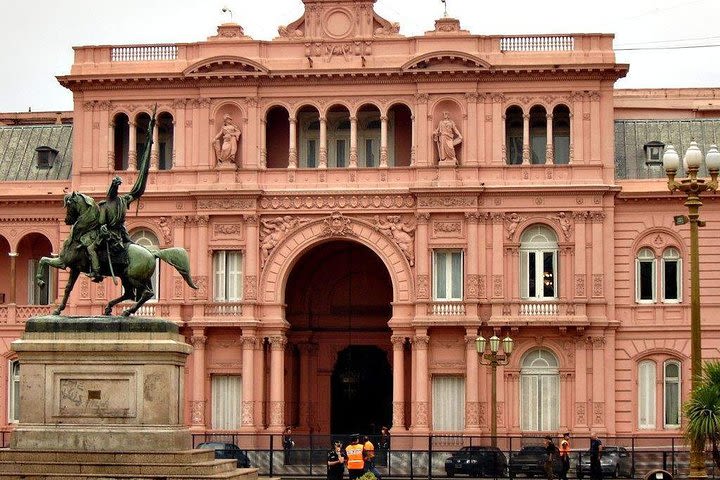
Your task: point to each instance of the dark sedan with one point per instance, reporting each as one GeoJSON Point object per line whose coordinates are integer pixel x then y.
{"type": "Point", "coordinates": [530, 461]}
{"type": "Point", "coordinates": [477, 462]}
{"type": "Point", "coordinates": [614, 461]}
{"type": "Point", "coordinates": [228, 451]}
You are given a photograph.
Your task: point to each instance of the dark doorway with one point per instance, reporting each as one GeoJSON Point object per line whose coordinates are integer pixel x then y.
{"type": "Point", "coordinates": [361, 391]}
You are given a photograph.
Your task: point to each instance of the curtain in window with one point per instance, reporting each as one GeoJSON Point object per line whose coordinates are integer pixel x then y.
{"type": "Point", "coordinates": [646, 394]}
{"type": "Point", "coordinates": [672, 394]}
{"type": "Point", "coordinates": [448, 403]}
{"type": "Point", "coordinates": [540, 392]}
{"type": "Point", "coordinates": [226, 402]}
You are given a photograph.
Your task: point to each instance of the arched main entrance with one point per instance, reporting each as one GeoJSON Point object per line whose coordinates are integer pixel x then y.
{"type": "Point", "coordinates": [338, 299]}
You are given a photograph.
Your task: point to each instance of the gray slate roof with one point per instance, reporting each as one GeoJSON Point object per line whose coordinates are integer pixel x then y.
{"type": "Point", "coordinates": [18, 158]}
{"type": "Point", "coordinates": [631, 135]}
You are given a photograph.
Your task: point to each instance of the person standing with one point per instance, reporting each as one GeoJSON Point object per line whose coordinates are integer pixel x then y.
{"type": "Point", "coordinates": [565, 455]}
{"type": "Point", "coordinates": [335, 462]}
{"type": "Point", "coordinates": [550, 450]}
{"type": "Point", "coordinates": [355, 454]}
{"type": "Point", "coordinates": [370, 457]}
{"type": "Point", "coordinates": [384, 446]}
{"type": "Point", "coordinates": [288, 444]}
{"type": "Point", "coordinates": [595, 454]}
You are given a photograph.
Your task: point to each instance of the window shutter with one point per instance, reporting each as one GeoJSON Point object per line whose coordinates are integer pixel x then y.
{"type": "Point", "coordinates": [646, 394]}
{"type": "Point", "coordinates": [234, 276]}
{"type": "Point", "coordinates": [219, 286]}
{"type": "Point", "coordinates": [456, 283]}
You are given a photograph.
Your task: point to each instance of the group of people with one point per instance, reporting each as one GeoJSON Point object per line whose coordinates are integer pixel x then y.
{"type": "Point", "coordinates": [358, 457]}
{"type": "Point", "coordinates": [564, 454]}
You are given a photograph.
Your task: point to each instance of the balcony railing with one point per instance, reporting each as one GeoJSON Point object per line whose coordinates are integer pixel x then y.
{"type": "Point", "coordinates": [537, 43]}
{"type": "Point", "coordinates": [554, 311]}
{"type": "Point", "coordinates": [446, 308]}
{"type": "Point", "coordinates": [144, 53]}
{"type": "Point", "coordinates": [227, 309]}
{"type": "Point", "coordinates": [539, 309]}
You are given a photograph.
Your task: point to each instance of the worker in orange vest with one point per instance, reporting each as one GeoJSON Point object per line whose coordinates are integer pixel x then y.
{"type": "Point", "coordinates": [370, 457]}
{"type": "Point", "coordinates": [565, 455]}
{"type": "Point", "coordinates": [355, 455]}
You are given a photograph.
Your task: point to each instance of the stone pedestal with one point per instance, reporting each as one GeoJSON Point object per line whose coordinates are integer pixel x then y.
{"type": "Point", "coordinates": [101, 384]}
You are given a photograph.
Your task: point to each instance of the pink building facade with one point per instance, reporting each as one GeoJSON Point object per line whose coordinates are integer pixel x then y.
{"type": "Point", "coordinates": [359, 206]}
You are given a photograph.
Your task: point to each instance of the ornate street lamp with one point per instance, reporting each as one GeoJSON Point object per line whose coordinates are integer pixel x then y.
{"type": "Point", "coordinates": [494, 358]}
{"type": "Point", "coordinates": [692, 187]}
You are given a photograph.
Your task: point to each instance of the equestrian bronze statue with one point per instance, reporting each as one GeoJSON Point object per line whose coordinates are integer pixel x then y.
{"type": "Point", "coordinates": [99, 244]}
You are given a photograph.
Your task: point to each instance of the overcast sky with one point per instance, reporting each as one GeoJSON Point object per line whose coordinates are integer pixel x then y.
{"type": "Point", "coordinates": [37, 36]}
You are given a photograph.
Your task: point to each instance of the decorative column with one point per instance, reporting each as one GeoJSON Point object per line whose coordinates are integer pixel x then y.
{"type": "Point", "coordinates": [132, 152]}
{"type": "Point", "coordinates": [420, 344]}
{"type": "Point", "coordinates": [496, 139]}
{"type": "Point", "coordinates": [277, 383]}
{"type": "Point", "coordinates": [471, 150]}
{"type": "Point", "coordinates": [526, 139]}
{"type": "Point", "coordinates": [179, 133]}
{"type": "Point", "coordinates": [292, 150]}
{"type": "Point", "coordinates": [598, 382]}
{"type": "Point", "coordinates": [383, 141]}
{"type": "Point", "coordinates": [111, 147]}
{"type": "Point", "coordinates": [154, 155]}
{"type": "Point", "coordinates": [323, 143]}
{"type": "Point", "coordinates": [425, 154]}
{"type": "Point", "coordinates": [609, 353]}
{"type": "Point", "coordinates": [259, 392]}
{"type": "Point", "coordinates": [203, 255]}
{"type": "Point", "coordinates": [398, 412]}
{"type": "Point", "coordinates": [549, 149]}
{"type": "Point", "coordinates": [353, 142]}
{"type": "Point", "coordinates": [304, 424]}
{"type": "Point", "coordinates": [197, 405]}
{"type": "Point", "coordinates": [413, 140]}
{"type": "Point", "coordinates": [248, 382]}
{"type": "Point", "coordinates": [472, 406]}
{"type": "Point", "coordinates": [262, 160]}
{"type": "Point", "coordinates": [251, 259]}
{"type": "Point", "coordinates": [472, 279]}
{"type": "Point", "coordinates": [581, 413]}
{"type": "Point", "coordinates": [13, 274]}
{"type": "Point", "coordinates": [422, 260]}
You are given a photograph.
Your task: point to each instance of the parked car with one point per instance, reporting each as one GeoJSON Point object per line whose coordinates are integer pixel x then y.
{"type": "Point", "coordinates": [614, 461]}
{"type": "Point", "coordinates": [530, 461]}
{"type": "Point", "coordinates": [477, 461]}
{"type": "Point", "coordinates": [228, 450]}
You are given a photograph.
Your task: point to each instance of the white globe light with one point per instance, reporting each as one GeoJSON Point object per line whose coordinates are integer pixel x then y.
{"type": "Point", "coordinates": [712, 158]}
{"type": "Point", "coordinates": [671, 159]}
{"type": "Point", "coordinates": [693, 156]}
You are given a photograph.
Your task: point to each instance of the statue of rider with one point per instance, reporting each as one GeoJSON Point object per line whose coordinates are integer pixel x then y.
{"type": "Point", "coordinates": [110, 232]}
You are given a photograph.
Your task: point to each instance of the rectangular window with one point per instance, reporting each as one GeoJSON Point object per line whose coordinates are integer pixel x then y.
{"type": "Point", "coordinates": [448, 274]}
{"type": "Point", "coordinates": [646, 394]}
{"type": "Point", "coordinates": [548, 275]}
{"type": "Point", "coordinates": [448, 403]}
{"type": "Point", "coordinates": [646, 280]}
{"type": "Point", "coordinates": [671, 280]}
{"type": "Point", "coordinates": [14, 391]}
{"type": "Point", "coordinates": [340, 153]}
{"type": "Point", "coordinates": [226, 402]}
{"type": "Point", "coordinates": [311, 154]}
{"type": "Point", "coordinates": [562, 149]}
{"type": "Point", "coordinates": [539, 408]}
{"type": "Point", "coordinates": [227, 265]}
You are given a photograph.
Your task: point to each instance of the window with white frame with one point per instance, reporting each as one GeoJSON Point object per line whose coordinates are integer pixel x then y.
{"type": "Point", "coordinates": [539, 391]}
{"type": "Point", "coordinates": [645, 276]}
{"type": "Point", "coordinates": [227, 265]}
{"type": "Point", "coordinates": [646, 394]}
{"type": "Point", "coordinates": [671, 275]}
{"type": "Point", "coordinates": [226, 402]}
{"type": "Point", "coordinates": [447, 275]}
{"type": "Point", "coordinates": [448, 403]}
{"type": "Point", "coordinates": [38, 295]}
{"type": "Point", "coordinates": [13, 391]}
{"type": "Point", "coordinates": [147, 239]}
{"type": "Point", "coordinates": [538, 263]}
{"type": "Point", "coordinates": [671, 393]}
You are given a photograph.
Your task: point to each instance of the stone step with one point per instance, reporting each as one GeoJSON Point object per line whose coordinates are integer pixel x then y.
{"type": "Point", "coordinates": [82, 468]}
{"type": "Point", "coordinates": [184, 456]}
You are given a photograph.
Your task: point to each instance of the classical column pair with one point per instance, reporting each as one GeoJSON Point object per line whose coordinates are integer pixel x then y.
{"type": "Point", "coordinates": [549, 155]}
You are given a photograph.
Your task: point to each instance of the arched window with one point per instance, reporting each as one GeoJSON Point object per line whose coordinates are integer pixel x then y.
{"type": "Point", "coordinates": [671, 276]}
{"type": "Point", "coordinates": [121, 140]}
{"type": "Point", "coordinates": [147, 239]}
{"type": "Point", "coordinates": [561, 134]}
{"type": "Point", "coordinates": [646, 394]}
{"type": "Point", "coordinates": [538, 135]}
{"type": "Point", "coordinates": [166, 134]}
{"type": "Point", "coordinates": [514, 135]}
{"type": "Point", "coordinates": [277, 138]}
{"type": "Point", "coordinates": [645, 276]}
{"type": "Point", "coordinates": [538, 263]}
{"type": "Point", "coordinates": [671, 394]}
{"type": "Point", "coordinates": [540, 391]}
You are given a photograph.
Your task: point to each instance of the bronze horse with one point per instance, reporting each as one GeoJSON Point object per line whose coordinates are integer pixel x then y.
{"type": "Point", "coordinates": [82, 213]}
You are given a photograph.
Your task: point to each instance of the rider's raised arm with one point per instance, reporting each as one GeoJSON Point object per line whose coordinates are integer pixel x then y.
{"type": "Point", "coordinates": [139, 187]}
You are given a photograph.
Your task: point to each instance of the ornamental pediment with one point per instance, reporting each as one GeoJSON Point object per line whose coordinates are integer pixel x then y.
{"type": "Point", "coordinates": [444, 61]}
{"type": "Point", "coordinates": [225, 65]}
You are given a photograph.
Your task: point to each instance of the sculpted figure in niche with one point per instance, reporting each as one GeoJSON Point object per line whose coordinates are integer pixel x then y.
{"type": "Point", "coordinates": [400, 232]}
{"type": "Point", "coordinates": [447, 136]}
{"type": "Point", "coordinates": [226, 141]}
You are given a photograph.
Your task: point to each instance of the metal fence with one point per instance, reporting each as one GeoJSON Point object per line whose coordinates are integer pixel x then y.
{"type": "Point", "coordinates": [424, 457]}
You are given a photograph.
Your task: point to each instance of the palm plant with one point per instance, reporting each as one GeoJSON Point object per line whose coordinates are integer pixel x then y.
{"type": "Point", "coordinates": [703, 410]}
